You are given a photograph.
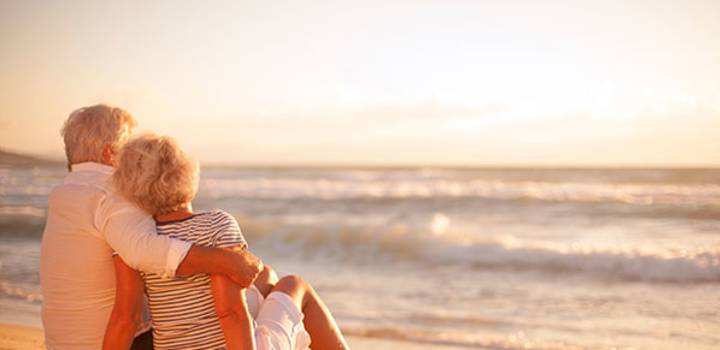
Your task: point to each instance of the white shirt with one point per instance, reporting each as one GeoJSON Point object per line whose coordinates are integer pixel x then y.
{"type": "Point", "coordinates": [86, 222]}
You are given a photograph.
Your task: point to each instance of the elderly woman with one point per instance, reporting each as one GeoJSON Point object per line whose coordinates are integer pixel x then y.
{"type": "Point", "coordinates": [204, 311]}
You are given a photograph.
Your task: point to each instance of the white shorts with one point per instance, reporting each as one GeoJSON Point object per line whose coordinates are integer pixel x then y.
{"type": "Point", "coordinates": [278, 322]}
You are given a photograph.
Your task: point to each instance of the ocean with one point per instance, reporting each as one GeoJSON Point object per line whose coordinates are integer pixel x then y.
{"type": "Point", "coordinates": [489, 258]}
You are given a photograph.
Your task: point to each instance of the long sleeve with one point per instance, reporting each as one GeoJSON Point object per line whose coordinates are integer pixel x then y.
{"type": "Point", "coordinates": [132, 234]}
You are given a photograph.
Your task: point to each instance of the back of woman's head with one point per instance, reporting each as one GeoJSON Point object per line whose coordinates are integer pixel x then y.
{"type": "Point", "coordinates": [155, 174]}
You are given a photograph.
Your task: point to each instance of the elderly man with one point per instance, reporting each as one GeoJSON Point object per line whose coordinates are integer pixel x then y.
{"type": "Point", "coordinates": [87, 221]}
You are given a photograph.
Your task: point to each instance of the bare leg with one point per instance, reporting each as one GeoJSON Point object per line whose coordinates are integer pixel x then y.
{"type": "Point", "coordinates": [319, 322]}
{"type": "Point", "coordinates": [266, 280]}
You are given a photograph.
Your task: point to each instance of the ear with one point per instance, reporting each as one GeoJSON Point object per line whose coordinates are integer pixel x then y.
{"type": "Point", "coordinates": [108, 155]}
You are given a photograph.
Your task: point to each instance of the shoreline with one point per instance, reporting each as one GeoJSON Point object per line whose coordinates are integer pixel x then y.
{"type": "Point", "coordinates": [17, 337]}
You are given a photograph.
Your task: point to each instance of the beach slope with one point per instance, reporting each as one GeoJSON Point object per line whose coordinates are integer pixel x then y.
{"type": "Point", "coordinates": [14, 337]}
{"type": "Point", "coordinates": [20, 338]}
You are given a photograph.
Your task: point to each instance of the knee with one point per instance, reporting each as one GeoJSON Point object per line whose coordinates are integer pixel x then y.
{"type": "Point", "coordinates": [296, 288]}
{"type": "Point", "coordinates": [304, 285]}
{"type": "Point", "coordinates": [268, 275]}
{"type": "Point", "coordinates": [295, 281]}
{"type": "Point", "coordinates": [267, 270]}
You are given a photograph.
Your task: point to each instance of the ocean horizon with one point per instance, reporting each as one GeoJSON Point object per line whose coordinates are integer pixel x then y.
{"type": "Point", "coordinates": [10, 158]}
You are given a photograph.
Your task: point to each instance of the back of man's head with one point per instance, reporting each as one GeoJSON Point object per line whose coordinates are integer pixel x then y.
{"type": "Point", "coordinates": [88, 131]}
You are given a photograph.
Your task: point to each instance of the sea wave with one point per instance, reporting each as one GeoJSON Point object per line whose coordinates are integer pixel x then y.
{"type": "Point", "coordinates": [20, 211]}
{"type": "Point", "coordinates": [438, 245]}
{"type": "Point", "coordinates": [373, 245]}
{"type": "Point", "coordinates": [21, 221]}
{"type": "Point", "coordinates": [329, 189]}
{"type": "Point", "coordinates": [17, 292]}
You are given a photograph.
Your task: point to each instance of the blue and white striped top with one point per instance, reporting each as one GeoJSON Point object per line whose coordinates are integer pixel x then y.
{"type": "Point", "coordinates": [182, 308]}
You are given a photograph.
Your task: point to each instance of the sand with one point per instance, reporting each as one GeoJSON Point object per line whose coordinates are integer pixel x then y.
{"type": "Point", "coordinates": [14, 337]}
{"type": "Point", "coordinates": [20, 338]}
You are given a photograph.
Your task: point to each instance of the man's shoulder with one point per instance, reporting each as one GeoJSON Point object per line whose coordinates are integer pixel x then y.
{"type": "Point", "coordinates": [110, 203]}
{"type": "Point", "coordinates": [115, 201]}
{"type": "Point", "coordinates": [94, 180]}
{"type": "Point", "coordinates": [78, 191]}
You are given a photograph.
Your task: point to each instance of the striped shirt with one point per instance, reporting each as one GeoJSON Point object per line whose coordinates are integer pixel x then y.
{"type": "Point", "coordinates": [182, 308]}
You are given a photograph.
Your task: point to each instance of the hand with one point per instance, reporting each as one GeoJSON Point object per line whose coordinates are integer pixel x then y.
{"type": "Point", "coordinates": [244, 268]}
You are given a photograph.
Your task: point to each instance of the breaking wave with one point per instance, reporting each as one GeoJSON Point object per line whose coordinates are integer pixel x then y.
{"type": "Point", "coordinates": [501, 253]}
{"type": "Point", "coordinates": [329, 189]}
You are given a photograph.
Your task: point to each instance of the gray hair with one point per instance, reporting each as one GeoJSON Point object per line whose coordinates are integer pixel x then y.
{"type": "Point", "coordinates": [155, 174]}
{"type": "Point", "coordinates": [87, 130]}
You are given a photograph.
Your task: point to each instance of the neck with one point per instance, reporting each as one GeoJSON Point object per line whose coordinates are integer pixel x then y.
{"type": "Point", "coordinates": [180, 214]}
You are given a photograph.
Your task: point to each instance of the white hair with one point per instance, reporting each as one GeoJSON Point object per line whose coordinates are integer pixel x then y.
{"type": "Point", "coordinates": [89, 129]}
{"type": "Point", "coordinates": [155, 174]}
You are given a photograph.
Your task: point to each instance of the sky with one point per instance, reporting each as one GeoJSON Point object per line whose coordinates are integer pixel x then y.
{"type": "Point", "coordinates": [461, 83]}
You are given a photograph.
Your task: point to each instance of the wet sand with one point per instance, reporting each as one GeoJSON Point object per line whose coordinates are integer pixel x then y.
{"type": "Point", "coordinates": [14, 337]}
{"type": "Point", "coordinates": [20, 338]}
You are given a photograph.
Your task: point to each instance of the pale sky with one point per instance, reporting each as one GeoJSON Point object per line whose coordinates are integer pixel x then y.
{"type": "Point", "coordinates": [375, 82]}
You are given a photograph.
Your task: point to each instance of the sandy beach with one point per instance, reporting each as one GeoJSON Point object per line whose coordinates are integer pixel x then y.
{"type": "Point", "coordinates": [13, 337]}
{"type": "Point", "coordinates": [20, 338]}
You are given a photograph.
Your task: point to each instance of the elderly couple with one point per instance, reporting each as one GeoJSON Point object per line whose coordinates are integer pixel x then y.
{"type": "Point", "coordinates": [121, 237]}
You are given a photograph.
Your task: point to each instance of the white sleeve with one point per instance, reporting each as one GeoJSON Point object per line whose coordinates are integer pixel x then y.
{"type": "Point", "coordinates": [132, 234]}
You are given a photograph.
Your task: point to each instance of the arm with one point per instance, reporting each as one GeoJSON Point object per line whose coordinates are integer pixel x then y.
{"type": "Point", "coordinates": [238, 264]}
{"type": "Point", "coordinates": [231, 308]}
{"type": "Point", "coordinates": [131, 233]}
{"type": "Point", "coordinates": [127, 312]}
